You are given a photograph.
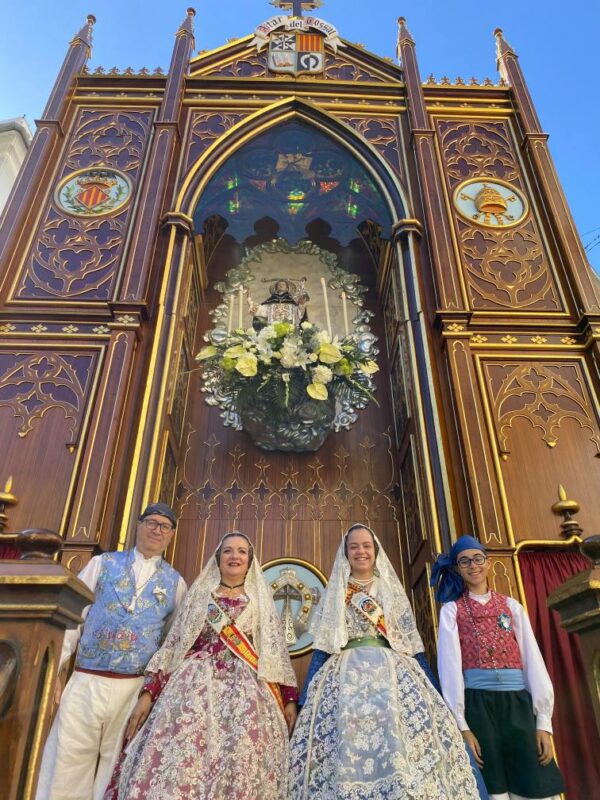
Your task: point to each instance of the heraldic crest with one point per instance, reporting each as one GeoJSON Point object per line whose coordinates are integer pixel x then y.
{"type": "Point", "coordinates": [296, 43]}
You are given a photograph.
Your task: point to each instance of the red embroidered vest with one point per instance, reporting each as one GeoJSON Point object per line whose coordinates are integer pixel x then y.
{"type": "Point", "coordinates": [487, 637]}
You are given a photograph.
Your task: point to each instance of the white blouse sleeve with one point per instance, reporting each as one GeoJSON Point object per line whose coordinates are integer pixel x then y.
{"type": "Point", "coordinates": [450, 664]}
{"type": "Point", "coordinates": [88, 575]}
{"type": "Point", "coordinates": [537, 680]}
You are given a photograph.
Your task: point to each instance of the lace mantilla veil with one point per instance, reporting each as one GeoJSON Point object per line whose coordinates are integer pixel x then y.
{"type": "Point", "coordinates": [329, 623]}
{"type": "Point", "coordinates": [274, 663]}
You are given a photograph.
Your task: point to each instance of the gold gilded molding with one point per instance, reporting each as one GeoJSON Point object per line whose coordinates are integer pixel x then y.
{"type": "Point", "coordinates": [42, 713]}
{"type": "Point", "coordinates": [545, 394]}
{"type": "Point", "coordinates": [504, 268]}
{"type": "Point", "coordinates": [502, 202]}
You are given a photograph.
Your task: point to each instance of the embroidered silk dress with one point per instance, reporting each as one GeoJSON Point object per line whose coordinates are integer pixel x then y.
{"type": "Point", "coordinates": [215, 732]}
{"type": "Point", "coordinates": [374, 728]}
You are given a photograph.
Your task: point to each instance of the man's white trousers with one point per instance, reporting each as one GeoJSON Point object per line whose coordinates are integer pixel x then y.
{"type": "Point", "coordinates": [86, 737]}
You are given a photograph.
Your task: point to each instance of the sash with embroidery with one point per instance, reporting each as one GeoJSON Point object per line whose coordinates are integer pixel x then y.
{"type": "Point", "coordinates": [367, 607]}
{"type": "Point", "coordinates": [233, 638]}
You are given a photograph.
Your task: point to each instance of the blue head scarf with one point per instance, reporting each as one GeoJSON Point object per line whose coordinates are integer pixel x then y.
{"type": "Point", "coordinates": [449, 584]}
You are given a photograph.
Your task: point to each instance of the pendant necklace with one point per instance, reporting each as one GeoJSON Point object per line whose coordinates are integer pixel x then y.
{"type": "Point", "coordinates": [231, 588]}
{"type": "Point", "coordinates": [137, 590]}
{"type": "Point", "coordinates": [488, 647]}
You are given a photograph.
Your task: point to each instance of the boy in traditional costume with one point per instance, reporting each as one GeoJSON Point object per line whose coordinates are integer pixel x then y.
{"type": "Point", "coordinates": [494, 678]}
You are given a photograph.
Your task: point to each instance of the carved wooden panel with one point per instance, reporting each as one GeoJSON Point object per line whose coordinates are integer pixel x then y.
{"type": "Point", "coordinates": [502, 576]}
{"type": "Point", "coordinates": [383, 133]}
{"type": "Point", "coordinates": [342, 67]}
{"type": "Point", "coordinates": [391, 310]}
{"type": "Point", "coordinates": [35, 382]}
{"type": "Point", "coordinates": [505, 268]}
{"type": "Point", "coordinates": [546, 431]}
{"type": "Point", "coordinates": [205, 128]}
{"type": "Point", "coordinates": [414, 524]}
{"type": "Point", "coordinates": [77, 257]}
{"type": "Point", "coordinates": [401, 385]}
{"type": "Point", "coordinates": [45, 402]}
{"type": "Point", "coordinates": [477, 446]}
{"type": "Point", "coordinates": [250, 64]}
{"type": "Point", "coordinates": [544, 393]}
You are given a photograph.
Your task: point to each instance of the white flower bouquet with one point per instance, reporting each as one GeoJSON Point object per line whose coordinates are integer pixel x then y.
{"type": "Point", "coordinates": [283, 365]}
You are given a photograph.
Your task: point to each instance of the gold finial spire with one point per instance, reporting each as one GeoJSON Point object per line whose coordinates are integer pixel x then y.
{"type": "Point", "coordinates": [85, 34]}
{"type": "Point", "coordinates": [503, 49]}
{"type": "Point", "coordinates": [567, 508]}
{"type": "Point", "coordinates": [187, 26]}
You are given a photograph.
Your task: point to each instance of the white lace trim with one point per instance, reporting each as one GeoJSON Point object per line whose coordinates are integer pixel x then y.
{"type": "Point", "coordinates": [274, 663]}
{"type": "Point", "coordinates": [329, 626]}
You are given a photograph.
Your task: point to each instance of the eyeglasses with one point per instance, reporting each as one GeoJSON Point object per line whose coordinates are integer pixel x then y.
{"type": "Point", "coordinates": [478, 560]}
{"type": "Point", "coordinates": [153, 525]}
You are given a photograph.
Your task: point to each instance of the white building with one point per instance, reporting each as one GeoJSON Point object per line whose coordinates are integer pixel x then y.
{"type": "Point", "coordinates": [15, 138]}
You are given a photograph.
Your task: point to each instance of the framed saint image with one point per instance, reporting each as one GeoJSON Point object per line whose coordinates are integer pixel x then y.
{"type": "Point", "coordinates": [297, 587]}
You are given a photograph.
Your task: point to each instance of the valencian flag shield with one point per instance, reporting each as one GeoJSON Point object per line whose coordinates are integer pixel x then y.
{"type": "Point", "coordinates": [296, 52]}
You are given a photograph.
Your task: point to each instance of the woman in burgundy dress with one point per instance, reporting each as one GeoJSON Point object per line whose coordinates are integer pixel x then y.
{"type": "Point", "coordinates": [219, 699]}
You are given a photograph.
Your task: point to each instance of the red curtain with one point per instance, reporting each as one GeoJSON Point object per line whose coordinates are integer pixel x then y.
{"type": "Point", "coordinates": [575, 731]}
{"type": "Point", "coordinates": [9, 551]}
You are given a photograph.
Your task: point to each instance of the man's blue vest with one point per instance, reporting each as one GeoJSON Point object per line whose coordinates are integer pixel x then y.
{"type": "Point", "coordinates": [118, 636]}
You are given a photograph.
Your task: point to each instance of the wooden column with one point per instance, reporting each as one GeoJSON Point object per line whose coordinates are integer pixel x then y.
{"type": "Point", "coordinates": [42, 155]}
{"type": "Point", "coordinates": [431, 181]}
{"type": "Point", "coordinates": [161, 159]}
{"type": "Point", "coordinates": [39, 600]}
{"type": "Point", "coordinates": [406, 233]}
{"type": "Point", "coordinates": [584, 288]}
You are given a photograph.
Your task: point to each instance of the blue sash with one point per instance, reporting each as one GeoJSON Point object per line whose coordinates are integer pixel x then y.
{"type": "Point", "coordinates": [495, 680]}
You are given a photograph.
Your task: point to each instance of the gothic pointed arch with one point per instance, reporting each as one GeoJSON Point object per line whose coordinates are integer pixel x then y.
{"type": "Point", "coordinates": [244, 131]}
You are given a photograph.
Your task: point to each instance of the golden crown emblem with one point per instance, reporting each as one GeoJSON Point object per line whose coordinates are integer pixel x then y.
{"type": "Point", "coordinates": [103, 180]}
{"type": "Point", "coordinates": [489, 201]}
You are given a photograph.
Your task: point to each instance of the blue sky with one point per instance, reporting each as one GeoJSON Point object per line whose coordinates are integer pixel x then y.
{"type": "Point", "coordinates": [556, 44]}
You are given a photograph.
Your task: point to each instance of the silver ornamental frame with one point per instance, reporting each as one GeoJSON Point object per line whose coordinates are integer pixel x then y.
{"type": "Point", "coordinates": [350, 400]}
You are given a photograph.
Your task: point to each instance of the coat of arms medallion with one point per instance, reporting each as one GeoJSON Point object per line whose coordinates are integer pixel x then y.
{"type": "Point", "coordinates": [296, 52]}
{"type": "Point", "coordinates": [93, 192]}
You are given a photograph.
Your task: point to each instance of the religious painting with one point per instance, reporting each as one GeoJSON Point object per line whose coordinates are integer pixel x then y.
{"type": "Point", "coordinates": [297, 587]}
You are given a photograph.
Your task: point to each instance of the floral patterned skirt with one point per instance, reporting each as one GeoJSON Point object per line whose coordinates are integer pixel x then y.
{"type": "Point", "coordinates": [213, 734]}
{"type": "Point", "coordinates": [374, 728]}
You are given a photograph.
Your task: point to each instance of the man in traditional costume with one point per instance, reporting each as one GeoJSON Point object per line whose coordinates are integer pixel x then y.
{"type": "Point", "coordinates": [136, 593]}
{"type": "Point", "coordinates": [219, 697]}
{"type": "Point", "coordinates": [372, 725]}
{"type": "Point", "coordinates": [494, 678]}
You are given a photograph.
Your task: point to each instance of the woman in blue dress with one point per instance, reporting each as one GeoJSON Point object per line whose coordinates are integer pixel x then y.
{"type": "Point", "coordinates": [373, 727]}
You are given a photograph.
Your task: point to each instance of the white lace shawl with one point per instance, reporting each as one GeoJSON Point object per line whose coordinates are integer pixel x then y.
{"type": "Point", "coordinates": [274, 663]}
{"type": "Point", "coordinates": [329, 622]}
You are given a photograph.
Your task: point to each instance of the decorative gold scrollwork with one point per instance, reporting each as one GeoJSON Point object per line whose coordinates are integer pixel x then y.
{"type": "Point", "coordinates": [33, 383]}
{"type": "Point", "coordinates": [206, 127]}
{"type": "Point", "coordinates": [505, 267]}
{"type": "Point", "coordinates": [478, 148]}
{"type": "Point", "coordinates": [383, 134]}
{"type": "Point", "coordinates": [77, 257]}
{"type": "Point", "coordinates": [545, 394]}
